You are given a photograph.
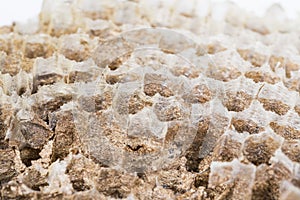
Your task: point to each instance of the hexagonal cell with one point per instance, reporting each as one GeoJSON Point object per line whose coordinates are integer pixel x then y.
{"type": "Point", "coordinates": [277, 99]}
{"type": "Point", "coordinates": [275, 106]}
{"type": "Point", "coordinates": [227, 148]}
{"type": "Point", "coordinates": [108, 51]}
{"type": "Point", "coordinates": [259, 148]}
{"type": "Point", "coordinates": [13, 63]}
{"type": "Point", "coordinates": [274, 61]}
{"type": "Point", "coordinates": [268, 179]}
{"type": "Point", "coordinates": [293, 83]}
{"type": "Point", "coordinates": [45, 75]}
{"type": "Point", "coordinates": [38, 46]}
{"type": "Point", "coordinates": [85, 71]}
{"type": "Point", "coordinates": [247, 125]}
{"type": "Point", "coordinates": [290, 66]}
{"type": "Point", "coordinates": [130, 100]}
{"type": "Point", "coordinates": [258, 76]}
{"type": "Point", "coordinates": [156, 83]}
{"type": "Point", "coordinates": [200, 93]}
{"type": "Point", "coordinates": [287, 132]}
{"type": "Point", "coordinates": [225, 66]}
{"type": "Point", "coordinates": [291, 148]}
{"type": "Point", "coordinates": [66, 136]}
{"type": "Point", "coordinates": [217, 127]}
{"type": "Point", "coordinates": [75, 47]}
{"type": "Point", "coordinates": [238, 101]}
{"type": "Point", "coordinates": [223, 73]}
{"type": "Point", "coordinates": [228, 175]}
{"type": "Point", "coordinates": [169, 109]}
{"type": "Point", "coordinates": [96, 103]}
{"type": "Point", "coordinates": [256, 59]}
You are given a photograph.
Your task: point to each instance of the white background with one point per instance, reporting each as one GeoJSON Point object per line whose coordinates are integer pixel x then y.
{"type": "Point", "coordinates": [18, 10]}
{"type": "Point", "coordinates": [22, 10]}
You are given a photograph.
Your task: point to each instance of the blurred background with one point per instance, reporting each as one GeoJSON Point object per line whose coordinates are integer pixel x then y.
{"type": "Point", "coordinates": [21, 11]}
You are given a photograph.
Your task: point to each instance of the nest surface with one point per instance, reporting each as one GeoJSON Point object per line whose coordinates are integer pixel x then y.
{"type": "Point", "coordinates": [150, 100]}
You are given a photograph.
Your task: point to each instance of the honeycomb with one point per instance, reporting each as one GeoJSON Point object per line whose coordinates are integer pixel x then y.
{"type": "Point", "coordinates": [142, 99]}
